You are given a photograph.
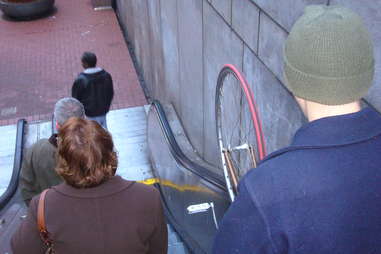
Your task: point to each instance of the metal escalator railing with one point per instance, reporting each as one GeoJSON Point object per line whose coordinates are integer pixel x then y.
{"type": "Point", "coordinates": [13, 183]}
{"type": "Point", "coordinates": [180, 157]}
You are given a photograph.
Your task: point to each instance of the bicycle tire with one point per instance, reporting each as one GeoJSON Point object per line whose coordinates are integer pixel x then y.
{"type": "Point", "coordinates": [244, 121]}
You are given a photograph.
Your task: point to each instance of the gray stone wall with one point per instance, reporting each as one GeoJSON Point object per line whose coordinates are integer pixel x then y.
{"type": "Point", "coordinates": [181, 45]}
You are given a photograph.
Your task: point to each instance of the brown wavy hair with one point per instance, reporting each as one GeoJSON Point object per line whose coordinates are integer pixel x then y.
{"type": "Point", "coordinates": [86, 156]}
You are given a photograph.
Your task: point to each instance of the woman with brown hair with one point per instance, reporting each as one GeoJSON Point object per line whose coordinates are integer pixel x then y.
{"type": "Point", "coordinates": [93, 211]}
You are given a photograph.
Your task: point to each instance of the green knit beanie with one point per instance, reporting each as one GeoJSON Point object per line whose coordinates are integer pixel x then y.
{"type": "Point", "coordinates": [328, 57]}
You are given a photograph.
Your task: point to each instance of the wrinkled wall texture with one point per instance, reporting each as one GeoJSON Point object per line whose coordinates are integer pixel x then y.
{"type": "Point", "coordinates": [181, 45]}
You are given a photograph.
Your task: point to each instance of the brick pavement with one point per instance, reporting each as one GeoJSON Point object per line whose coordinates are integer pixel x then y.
{"type": "Point", "coordinates": [39, 60]}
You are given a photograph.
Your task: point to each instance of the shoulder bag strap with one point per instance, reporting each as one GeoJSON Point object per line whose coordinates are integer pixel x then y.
{"type": "Point", "coordinates": [44, 234]}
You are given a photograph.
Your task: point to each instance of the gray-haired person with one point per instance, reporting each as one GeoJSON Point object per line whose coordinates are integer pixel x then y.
{"type": "Point", "coordinates": [39, 162]}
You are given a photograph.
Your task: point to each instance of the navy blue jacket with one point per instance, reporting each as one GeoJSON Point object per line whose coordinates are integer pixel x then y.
{"type": "Point", "coordinates": [322, 194]}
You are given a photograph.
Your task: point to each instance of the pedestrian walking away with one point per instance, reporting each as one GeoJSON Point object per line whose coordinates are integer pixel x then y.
{"type": "Point", "coordinates": [94, 89]}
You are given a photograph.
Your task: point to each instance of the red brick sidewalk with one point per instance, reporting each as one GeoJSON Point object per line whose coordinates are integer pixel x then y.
{"type": "Point", "coordinates": [40, 59]}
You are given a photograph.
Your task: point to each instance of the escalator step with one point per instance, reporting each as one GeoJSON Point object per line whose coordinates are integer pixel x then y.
{"type": "Point", "coordinates": [175, 244]}
{"type": "Point", "coordinates": [177, 248]}
{"type": "Point", "coordinates": [173, 237]}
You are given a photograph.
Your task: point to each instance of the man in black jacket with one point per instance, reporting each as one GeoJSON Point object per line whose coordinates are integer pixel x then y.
{"type": "Point", "coordinates": [94, 88]}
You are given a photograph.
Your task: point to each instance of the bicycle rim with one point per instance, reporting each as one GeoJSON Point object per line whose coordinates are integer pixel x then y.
{"type": "Point", "coordinates": [237, 123]}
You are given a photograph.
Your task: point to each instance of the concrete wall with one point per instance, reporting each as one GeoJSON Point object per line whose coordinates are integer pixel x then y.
{"type": "Point", "coordinates": [181, 45]}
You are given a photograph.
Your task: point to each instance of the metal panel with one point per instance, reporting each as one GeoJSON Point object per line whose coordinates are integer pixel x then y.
{"type": "Point", "coordinates": [6, 166]}
{"type": "Point", "coordinates": [279, 113]}
{"type": "Point", "coordinates": [224, 8]}
{"type": "Point", "coordinates": [7, 149]}
{"type": "Point", "coordinates": [128, 129]}
{"type": "Point", "coordinates": [271, 42]}
{"type": "Point", "coordinates": [286, 12]}
{"type": "Point", "coordinates": [45, 129]}
{"type": "Point", "coordinates": [191, 74]}
{"type": "Point", "coordinates": [221, 46]}
{"type": "Point", "coordinates": [12, 219]}
{"type": "Point", "coordinates": [245, 17]}
{"type": "Point", "coordinates": [7, 140]}
{"type": "Point", "coordinates": [31, 135]}
{"type": "Point", "coordinates": [141, 39]}
{"type": "Point", "coordinates": [156, 43]}
{"type": "Point", "coordinates": [369, 10]}
{"type": "Point", "coordinates": [125, 14]}
{"type": "Point", "coordinates": [183, 140]}
{"type": "Point", "coordinates": [170, 51]}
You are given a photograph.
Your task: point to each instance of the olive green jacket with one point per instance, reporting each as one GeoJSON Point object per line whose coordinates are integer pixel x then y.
{"type": "Point", "coordinates": [38, 168]}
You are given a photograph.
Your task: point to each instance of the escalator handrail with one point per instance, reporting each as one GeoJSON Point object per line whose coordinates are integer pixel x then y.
{"type": "Point", "coordinates": [180, 157]}
{"type": "Point", "coordinates": [13, 183]}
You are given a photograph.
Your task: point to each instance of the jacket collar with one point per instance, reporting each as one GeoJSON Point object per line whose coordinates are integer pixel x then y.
{"type": "Point", "coordinates": [340, 130]}
{"type": "Point", "coordinates": [113, 185]}
{"type": "Point", "coordinates": [92, 70]}
{"type": "Point", "coordinates": [334, 131]}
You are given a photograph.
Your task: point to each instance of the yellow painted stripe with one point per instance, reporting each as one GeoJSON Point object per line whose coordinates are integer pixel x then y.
{"type": "Point", "coordinates": [149, 181]}
{"type": "Point", "coordinates": [170, 184]}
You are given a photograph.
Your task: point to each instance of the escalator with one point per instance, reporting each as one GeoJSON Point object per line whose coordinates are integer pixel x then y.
{"type": "Point", "coordinates": [194, 194]}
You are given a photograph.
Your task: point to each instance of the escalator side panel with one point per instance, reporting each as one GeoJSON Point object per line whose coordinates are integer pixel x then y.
{"type": "Point", "coordinates": [35, 132]}
{"type": "Point", "coordinates": [183, 141]}
{"type": "Point", "coordinates": [18, 153]}
{"type": "Point", "coordinates": [13, 218]}
{"type": "Point", "coordinates": [11, 206]}
{"type": "Point", "coordinates": [13, 209]}
{"type": "Point", "coordinates": [7, 149]}
{"type": "Point", "coordinates": [181, 188]}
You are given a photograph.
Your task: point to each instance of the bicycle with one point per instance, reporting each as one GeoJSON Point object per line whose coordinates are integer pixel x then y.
{"type": "Point", "coordinates": [237, 125]}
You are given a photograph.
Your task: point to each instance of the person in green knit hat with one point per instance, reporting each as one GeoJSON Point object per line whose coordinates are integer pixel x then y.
{"type": "Point", "coordinates": [321, 194]}
{"type": "Point", "coordinates": [328, 60]}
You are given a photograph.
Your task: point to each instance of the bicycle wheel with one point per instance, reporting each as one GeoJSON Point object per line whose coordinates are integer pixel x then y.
{"type": "Point", "coordinates": [239, 131]}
